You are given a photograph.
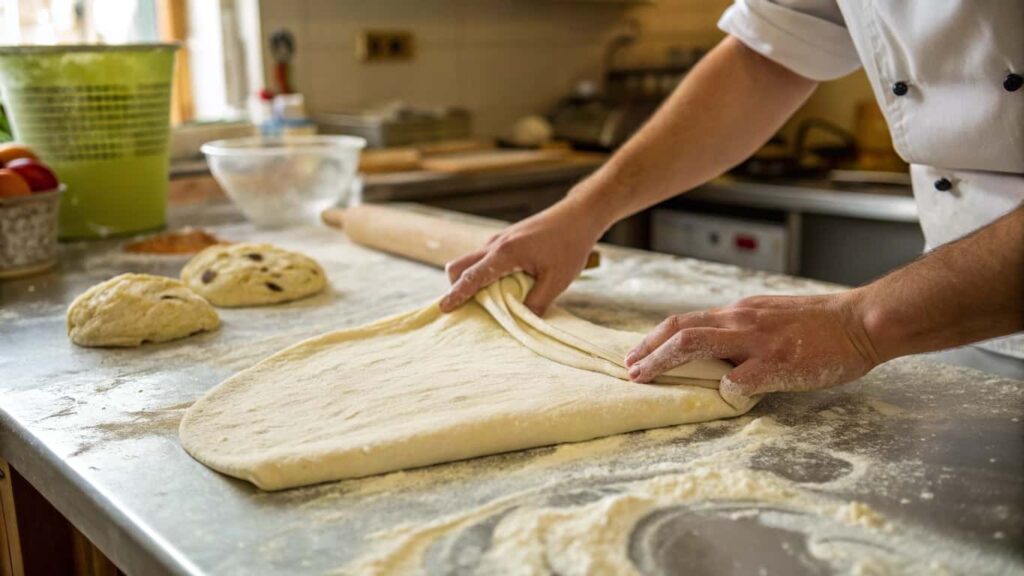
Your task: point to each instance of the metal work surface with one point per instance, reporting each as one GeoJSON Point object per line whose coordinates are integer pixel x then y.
{"type": "Point", "coordinates": [886, 203]}
{"type": "Point", "coordinates": [815, 196]}
{"type": "Point", "coordinates": [918, 465]}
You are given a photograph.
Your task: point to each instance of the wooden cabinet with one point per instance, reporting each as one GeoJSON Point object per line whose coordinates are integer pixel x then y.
{"type": "Point", "coordinates": [10, 544]}
{"type": "Point", "coordinates": [36, 539]}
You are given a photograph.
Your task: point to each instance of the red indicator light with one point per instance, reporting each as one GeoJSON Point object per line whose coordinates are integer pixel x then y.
{"type": "Point", "coordinates": [745, 242]}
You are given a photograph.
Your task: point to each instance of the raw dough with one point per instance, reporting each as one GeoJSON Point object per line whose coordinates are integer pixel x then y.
{"type": "Point", "coordinates": [232, 275]}
{"type": "Point", "coordinates": [132, 309]}
{"type": "Point", "coordinates": [424, 387]}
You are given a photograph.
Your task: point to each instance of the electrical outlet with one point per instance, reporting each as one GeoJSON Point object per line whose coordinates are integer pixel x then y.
{"type": "Point", "coordinates": [385, 46]}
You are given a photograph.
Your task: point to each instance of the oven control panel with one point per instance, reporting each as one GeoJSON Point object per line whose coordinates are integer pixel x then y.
{"type": "Point", "coordinates": [746, 243]}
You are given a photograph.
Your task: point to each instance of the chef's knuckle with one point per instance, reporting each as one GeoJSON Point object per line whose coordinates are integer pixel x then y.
{"type": "Point", "coordinates": [504, 247]}
{"type": "Point", "coordinates": [451, 269]}
{"type": "Point", "coordinates": [739, 316]}
{"type": "Point", "coordinates": [673, 323]}
{"type": "Point", "coordinates": [750, 302]}
{"type": "Point", "coordinates": [682, 341]}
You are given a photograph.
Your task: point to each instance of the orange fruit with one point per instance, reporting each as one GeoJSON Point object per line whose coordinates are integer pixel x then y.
{"type": "Point", "coordinates": [12, 184]}
{"type": "Point", "coordinates": [13, 150]}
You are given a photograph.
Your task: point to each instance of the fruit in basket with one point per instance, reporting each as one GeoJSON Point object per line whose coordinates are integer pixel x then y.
{"type": "Point", "coordinates": [12, 184]}
{"type": "Point", "coordinates": [38, 175]}
{"type": "Point", "coordinates": [13, 151]}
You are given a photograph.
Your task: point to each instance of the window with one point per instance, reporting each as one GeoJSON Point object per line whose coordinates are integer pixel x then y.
{"type": "Point", "coordinates": [220, 61]}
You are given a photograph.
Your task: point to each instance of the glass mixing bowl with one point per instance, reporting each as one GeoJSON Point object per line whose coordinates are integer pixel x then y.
{"type": "Point", "coordinates": [285, 181]}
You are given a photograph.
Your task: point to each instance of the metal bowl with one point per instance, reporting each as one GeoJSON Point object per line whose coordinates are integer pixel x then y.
{"type": "Point", "coordinates": [285, 181]}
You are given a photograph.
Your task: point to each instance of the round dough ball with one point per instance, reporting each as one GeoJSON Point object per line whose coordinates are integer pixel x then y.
{"type": "Point", "coordinates": [132, 309]}
{"type": "Point", "coordinates": [532, 131]}
{"type": "Point", "coordinates": [231, 275]}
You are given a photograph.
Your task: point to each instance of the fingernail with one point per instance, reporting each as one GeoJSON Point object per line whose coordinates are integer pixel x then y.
{"type": "Point", "coordinates": [634, 372]}
{"type": "Point", "coordinates": [631, 358]}
{"type": "Point", "coordinates": [444, 303]}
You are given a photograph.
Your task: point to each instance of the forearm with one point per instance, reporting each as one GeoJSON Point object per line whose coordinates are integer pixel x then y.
{"type": "Point", "coordinates": [963, 292]}
{"type": "Point", "coordinates": [728, 106]}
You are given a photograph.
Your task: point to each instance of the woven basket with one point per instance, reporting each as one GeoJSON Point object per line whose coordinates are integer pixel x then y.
{"type": "Point", "coordinates": [28, 233]}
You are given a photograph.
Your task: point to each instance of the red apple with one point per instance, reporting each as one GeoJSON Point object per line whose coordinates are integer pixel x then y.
{"type": "Point", "coordinates": [39, 177]}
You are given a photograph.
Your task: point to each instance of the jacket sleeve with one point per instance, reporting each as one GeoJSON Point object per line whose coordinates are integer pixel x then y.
{"type": "Point", "coordinates": [807, 36]}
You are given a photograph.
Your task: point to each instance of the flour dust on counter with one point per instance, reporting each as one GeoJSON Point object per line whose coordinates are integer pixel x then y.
{"type": "Point", "coordinates": [783, 493]}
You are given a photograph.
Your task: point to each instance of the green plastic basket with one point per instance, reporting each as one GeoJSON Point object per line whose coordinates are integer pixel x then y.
{"type": "Point", "coordinates": [100, 117]}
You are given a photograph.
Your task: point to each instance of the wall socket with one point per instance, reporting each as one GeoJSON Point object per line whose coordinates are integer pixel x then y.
{"type": "Point", "coordinates": [385, 46]}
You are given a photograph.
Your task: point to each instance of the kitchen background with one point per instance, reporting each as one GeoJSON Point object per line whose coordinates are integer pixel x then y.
{"type": "Point", "coordinates": [828, 199]}
{"type": "Point", "coordinates": [501, 59]}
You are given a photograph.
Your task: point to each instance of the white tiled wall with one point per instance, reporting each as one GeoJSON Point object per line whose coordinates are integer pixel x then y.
{"type": "Point", "coordinates": [500, 58]}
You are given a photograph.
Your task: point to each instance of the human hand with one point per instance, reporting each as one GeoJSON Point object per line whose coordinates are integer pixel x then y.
{"type": "Point", "coordinates": [551, 246]}
{"type": "Point", "coordinates": [778, 343]}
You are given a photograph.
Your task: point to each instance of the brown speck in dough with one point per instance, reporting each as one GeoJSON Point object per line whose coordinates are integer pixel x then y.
{"type": "Point", "coordinates": [264, 269]}
{"type": "Point", "coordinates": [314, 271]}
{"type": "Point", "coordinates": [274, 287]}
{"type": "Point", "coordinates": [255, 256]}
{"type": "Point", "coordinates": [170, 297]}
{"type": "Point", "coordinates": [208, 276]}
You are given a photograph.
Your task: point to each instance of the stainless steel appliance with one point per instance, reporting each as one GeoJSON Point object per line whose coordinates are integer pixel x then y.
{"type": "Point", "coordinates": [748, 243]}
{"type": "Point", "coordinates": [589, 120]}
{"type": "Point", "coordinates": [398, 124]}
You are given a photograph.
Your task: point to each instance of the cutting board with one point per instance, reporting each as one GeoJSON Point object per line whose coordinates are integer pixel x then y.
{"type": "Point", "coordinates": [488, 160]}
{"type": "Point", "coordinates": [389, 160]}
{"type": "Point", "coordinates": [406, 158]}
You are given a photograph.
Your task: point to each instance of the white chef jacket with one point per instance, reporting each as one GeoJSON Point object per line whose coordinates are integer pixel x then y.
{"type": "Point", "coordinates": [948, 76]}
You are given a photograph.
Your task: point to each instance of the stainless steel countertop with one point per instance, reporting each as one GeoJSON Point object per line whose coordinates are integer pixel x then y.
{"type": "Point", "coordinates": [886, 203]}
{"type": "Point", "coordinates": [816, 196]}
{"type": "Point", "coordinates": [928, 446]}
{"type": "Point", "coordinates": [422, 185]}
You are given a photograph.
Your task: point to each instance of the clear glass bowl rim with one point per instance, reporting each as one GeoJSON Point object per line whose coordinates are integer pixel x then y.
{"type": "Point", "coordinates": [276, 146]}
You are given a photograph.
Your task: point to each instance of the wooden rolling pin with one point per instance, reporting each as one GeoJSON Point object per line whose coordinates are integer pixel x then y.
{"type": "Point", "coordinates": [415, 236]}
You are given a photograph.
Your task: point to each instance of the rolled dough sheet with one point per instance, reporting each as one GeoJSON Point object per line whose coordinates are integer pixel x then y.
{"type": "Point", "coordinates": [423, 388]}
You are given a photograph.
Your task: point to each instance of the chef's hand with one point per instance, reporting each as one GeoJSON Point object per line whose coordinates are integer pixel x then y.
{"type": "Point", "coordinates": [551, 246]}
{"type": "Point", "coordinates": [778, 343]}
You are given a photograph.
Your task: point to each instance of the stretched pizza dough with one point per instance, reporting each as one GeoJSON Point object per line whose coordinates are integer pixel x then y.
{"type": "Point", "coordinates": [424, 388]}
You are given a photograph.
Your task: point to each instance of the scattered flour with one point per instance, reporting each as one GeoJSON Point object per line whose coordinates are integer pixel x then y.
{"type": "Point", "coordinates": [594, 537]}
{"type": "Point", "coordinates": [763, 426]}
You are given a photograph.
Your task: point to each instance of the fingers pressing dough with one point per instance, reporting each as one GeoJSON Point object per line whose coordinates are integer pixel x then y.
{"type": "Point", "coordinates": [132, 309]}
{"type": "Point", "coordinates": [236, 275]}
